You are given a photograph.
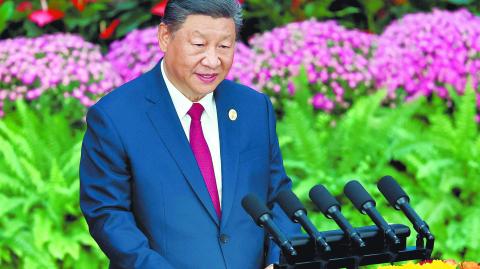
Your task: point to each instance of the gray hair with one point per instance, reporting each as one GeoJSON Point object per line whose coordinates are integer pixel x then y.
{"type": "Point", "coordinates": [177, 12]}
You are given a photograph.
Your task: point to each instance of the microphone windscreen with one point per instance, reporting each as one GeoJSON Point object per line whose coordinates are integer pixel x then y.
{"type": "Point", "coordinates": [254, 207]}
{"type": "Point", "coordinates": [290, 203]}
{"type": "Point", "coordinates": [357, 194]}
{"type": "Point", "coordinates": [391, 190]}
{"type": "Point", "coordinates": [322, 198]}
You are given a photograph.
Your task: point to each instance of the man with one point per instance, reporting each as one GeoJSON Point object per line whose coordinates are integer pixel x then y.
{"type": "Point", "coordinates": [167, 157]}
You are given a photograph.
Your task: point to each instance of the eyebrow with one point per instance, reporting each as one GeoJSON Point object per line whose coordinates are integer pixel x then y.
{"type": "Point", "coordinates": [201, 35]}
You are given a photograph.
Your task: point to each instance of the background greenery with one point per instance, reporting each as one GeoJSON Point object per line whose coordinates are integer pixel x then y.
{"type": "Point", "coordinates": [260, 15]}
{"type": "Point", "coordinates": [429, 145]}
{"type": "Point", "coordinates": [431, 150]}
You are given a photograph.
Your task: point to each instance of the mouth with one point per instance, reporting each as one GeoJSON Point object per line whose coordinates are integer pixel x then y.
{"type": "Point", "coordinates": [207, 78]}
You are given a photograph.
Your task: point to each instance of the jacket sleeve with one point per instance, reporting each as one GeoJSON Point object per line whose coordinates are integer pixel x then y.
{"type": "Point", "coordinates": [105, 197]}
{"type": "Point", "coordinates": [278, 182]}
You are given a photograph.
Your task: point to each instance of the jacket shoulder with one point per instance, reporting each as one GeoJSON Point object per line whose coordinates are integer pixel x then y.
{"type": "Point", "coordinates": [126, 95]}
{"type": "Point", "coordinates": [242, 92]}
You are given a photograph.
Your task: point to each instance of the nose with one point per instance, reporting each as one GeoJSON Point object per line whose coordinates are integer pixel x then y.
{"type": "Point", "coordinates": [211, 59]}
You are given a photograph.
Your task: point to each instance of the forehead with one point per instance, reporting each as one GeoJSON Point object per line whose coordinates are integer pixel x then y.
{"type": "Point", "coordinates": [206, 26]}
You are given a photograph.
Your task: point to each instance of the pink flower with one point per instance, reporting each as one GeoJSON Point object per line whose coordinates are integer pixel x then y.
{"type": "Point", "coordinates": [44, 17]}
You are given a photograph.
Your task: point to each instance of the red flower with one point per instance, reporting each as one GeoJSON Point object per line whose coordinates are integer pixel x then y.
{"type": "Point", "coordinates": [425, 261]}
{"type": "Point", "coordinates": [159, 9]}
{"type": "Point", "coordinates": [296, 4]}
{"type": "Point", "coordinates": [399, 2]}
{"type": "Point", "coordinates": [108, 32]}
{"type": "Point", "coordinates": [24, 6]}
{"type": "Point", "coordinates": [79, 4]}
{"type": "Point", "coordinates": [44, 17]}
{"type": "Point", "coordinates": [241, 1]}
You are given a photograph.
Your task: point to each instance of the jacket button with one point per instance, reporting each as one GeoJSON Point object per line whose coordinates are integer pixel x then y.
{"type": "Point", "coordinates": [223, 238]}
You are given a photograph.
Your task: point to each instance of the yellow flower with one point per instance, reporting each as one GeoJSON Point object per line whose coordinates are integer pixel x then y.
{"type": "Point", "coordinates": [435, 264]}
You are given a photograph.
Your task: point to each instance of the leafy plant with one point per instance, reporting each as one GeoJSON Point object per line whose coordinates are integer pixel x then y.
{"type": "Point", "coordinates": [40, 219]}
{"type": "Point", "coordinates": [432, 150]}
{"type": "Point", "coordinates": [97, 21]}
{"type": "Point", "coordinates": [265, 15]}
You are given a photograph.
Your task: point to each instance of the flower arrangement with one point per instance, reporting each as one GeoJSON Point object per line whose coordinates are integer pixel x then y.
{"type": "Point", "coordinates": [63, 65]}
{"type": "Point", "coordinates": [434, 264]}
{"type": "Point", "coordinates": [137, 53]}
{"type": "Point", "coordinates": [423, 53]}
{"type": "Point", "coordinates": [335, 58]}
{"type": "Point", "coordinates": [242, 67]}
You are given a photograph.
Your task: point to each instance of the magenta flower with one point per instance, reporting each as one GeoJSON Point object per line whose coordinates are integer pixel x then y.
{"type": "Point", "coordinates": [137, 53]}
{"type": "Point", "coordinates": [336, 60]}
{"type": "Point", "coordinates": [423, 53]}
{"type": "Point", "coordinates": [59, 64]}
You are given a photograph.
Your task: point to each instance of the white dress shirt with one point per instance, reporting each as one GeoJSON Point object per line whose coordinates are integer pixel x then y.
{"type": "Point", "coordinates": [209, 124]}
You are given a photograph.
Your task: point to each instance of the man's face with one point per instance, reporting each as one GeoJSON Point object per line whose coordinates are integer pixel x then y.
{"type": "Point", "coordinates": [199, 55]}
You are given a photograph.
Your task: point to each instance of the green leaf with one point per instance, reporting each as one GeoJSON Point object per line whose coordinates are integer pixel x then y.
{"type": "Point", "coordinates": [460, 2]}
{"type": "Point", "coordinates": [61, 246]}
{"type": "Point", "coordinates": [373, 6]}
{"type": "Point", "coordinates": [131, 21]}
{"type": "Point", "coordinates": [32, 29]}
{"type": "Point", "coordinates": [6, 12]}
{"type": "Point", "coordinates": [347, 11]}
{"type": "Point", "coordinates": [42, 230]}
{"type": "Point", "coordinates": [8, 204]}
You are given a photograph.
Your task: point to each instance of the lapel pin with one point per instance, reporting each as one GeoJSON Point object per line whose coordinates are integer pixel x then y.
{"type": "Point", "coordinates": [232, 114]}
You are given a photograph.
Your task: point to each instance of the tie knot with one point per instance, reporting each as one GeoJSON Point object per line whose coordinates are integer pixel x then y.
{"type": "Point", "coordinates": [196, 111]}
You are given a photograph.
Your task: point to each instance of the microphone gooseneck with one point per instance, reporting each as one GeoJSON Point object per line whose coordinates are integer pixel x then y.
{"type": "Point", "coordinates": [295, 210]}
{"type": "Point", "coordinates": [397, 198]}
{"type": "Point", "coordinates": [263, 218]}
{"type": "Point", "coordinates": [330, 207]}
{"type": "Point", "coordinates": [362, 200]}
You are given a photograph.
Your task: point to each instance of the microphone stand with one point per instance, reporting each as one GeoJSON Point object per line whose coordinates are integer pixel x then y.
{"type": "Point", "coordinates": [345, 254]}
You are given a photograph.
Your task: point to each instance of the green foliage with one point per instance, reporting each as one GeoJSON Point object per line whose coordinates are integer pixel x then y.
{"type": "Point", "coordinates": [432, 151]}
{"type": "Point", "coordinates": [40, 219]}
{"type": "Point", "coordinates": [268, 14]}
{"type": "Point", "coordinates": [6, 12]}
{"type": "Point", "coordinates": [369, 15]}
{"type": "Point", "coordinates": [86, 18]}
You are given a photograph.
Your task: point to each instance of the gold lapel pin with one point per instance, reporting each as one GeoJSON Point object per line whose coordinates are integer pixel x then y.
{"type": "Point", "coordinates": [232, 114]}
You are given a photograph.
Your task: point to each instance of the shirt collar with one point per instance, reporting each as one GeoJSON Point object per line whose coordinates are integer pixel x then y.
{"type": "Point", "coordinates": [181, 103]}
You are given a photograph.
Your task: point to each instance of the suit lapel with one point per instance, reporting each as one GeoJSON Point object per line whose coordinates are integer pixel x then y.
{"type": "Point", "coordinates": [228, 132]}
{"type": "Point", "coordinates": [164, 118]}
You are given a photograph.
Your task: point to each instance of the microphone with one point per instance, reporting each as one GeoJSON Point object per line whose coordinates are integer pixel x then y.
{"type": "Point", "coordinates": [366, 205]}
{"type": "Point", "coordinates": [329, 206]}
{"type": "Point", "coordinates": [263, 218]}
{"type": "Point", "coordinates": [400, 201]}
{"type": "Point", "coordinates": [295, 210]}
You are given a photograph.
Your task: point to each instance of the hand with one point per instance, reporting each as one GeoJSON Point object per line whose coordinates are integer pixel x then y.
{"type": "Point", "coordinates": [269, 267]}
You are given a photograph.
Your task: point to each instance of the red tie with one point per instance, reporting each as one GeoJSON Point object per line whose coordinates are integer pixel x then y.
{"type": "Point", "coordinates": [202, 154]}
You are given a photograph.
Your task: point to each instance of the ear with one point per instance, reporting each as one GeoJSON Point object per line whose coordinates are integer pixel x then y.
{"type": "Point", "coordinates": [164, 36]}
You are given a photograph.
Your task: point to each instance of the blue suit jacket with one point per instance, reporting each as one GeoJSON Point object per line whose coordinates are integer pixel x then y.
{"type": "Point", "coordinates": [143, 195]}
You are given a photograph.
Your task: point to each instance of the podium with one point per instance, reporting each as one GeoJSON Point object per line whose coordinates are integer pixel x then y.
{"type": "Point", "coordinates": [345, 255]}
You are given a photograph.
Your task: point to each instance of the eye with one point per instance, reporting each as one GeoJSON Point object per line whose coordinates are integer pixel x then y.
{"type": "Point", "coordinates": [224, 47]}
{"type": "Point", "coordinates": [198, 45]}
